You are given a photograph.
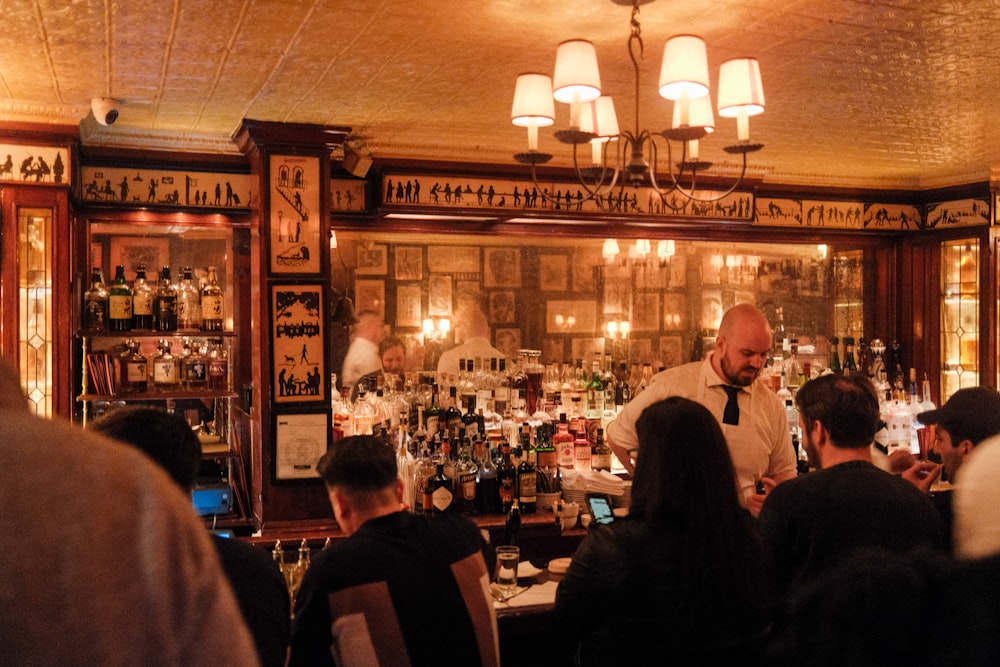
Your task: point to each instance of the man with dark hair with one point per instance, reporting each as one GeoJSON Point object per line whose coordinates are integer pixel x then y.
{"type": "Point", "coordinates": [260, 588]}
{"type": "Point", "coordinates": [377, 597]}
{"type": "Point", "coordinates": [392, 351]}
{"type": "Point", "coordinates": [811, 523]}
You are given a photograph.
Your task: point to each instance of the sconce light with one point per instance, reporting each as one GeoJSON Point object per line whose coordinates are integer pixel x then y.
{"type": "Point", "coordinates": [665, 249]}
{"type": "Point", "coordinates": [435, 331]}
{"type": "Point", "coordinates": [610, 250]}
{"type": "Point", "coordinates": [822, 250]}
{"type": "Point", "coordinates": [642, 248]}
{"type": "Point", "coordinates": [618, 329]}
{"type": "Point", "coordinates": [717, 262]}
{"type": "Point", "coordinates": [333, 240]}
{"type": "Point", "coordinates": [566, 322]}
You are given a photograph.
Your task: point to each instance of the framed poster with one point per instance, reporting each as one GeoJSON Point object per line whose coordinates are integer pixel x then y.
{"type": "Point", "coordinates": [453, 259]}
{"type": "Point", "coordinates": [297, 343]}
{"type": "Point", "coordinates": [408, 311]}
{"type": "Point", "coordinates": [439, 296]}
{"type": "Point", "coordinates": [294, 227]}
{"type": "Point", "coordinates": [370, 295]}
{"type": "Point", "coordinates": [671, 351]}
{"type": "Point", "coordinates": [133, 251]}
{"type": "Point", "coordinates": [553, 273]}
{"type": "Point", "coordinates": [566, 317]}
{"type": "Point", "coordinates": [646, 311]}
{"type": "Point", "coordinates": [409, 263]}
{"type": "Point", "coordinates": [502, 307]}
{"type": "Point", "coordinates": [373, 260]}
{"type": "Point", "coordinates": [300, 442]}
{"type": "Point", "coordinates": [508, 341]}
{"type": "Point", "coordinates": [502, 267]}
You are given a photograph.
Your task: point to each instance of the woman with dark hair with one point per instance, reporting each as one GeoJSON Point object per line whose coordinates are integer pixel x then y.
{"type": "Point", "coordinates": [682, 576]}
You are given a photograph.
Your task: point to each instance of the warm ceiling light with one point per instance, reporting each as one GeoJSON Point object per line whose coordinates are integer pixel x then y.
{"type": "Point", "coordinates": [683, 79]}
{"type": "Point", "coordinates": [534, 106]}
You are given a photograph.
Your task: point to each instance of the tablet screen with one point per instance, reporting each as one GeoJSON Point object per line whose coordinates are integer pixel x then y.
{"type": "Point", "coordinates": [601, 509]}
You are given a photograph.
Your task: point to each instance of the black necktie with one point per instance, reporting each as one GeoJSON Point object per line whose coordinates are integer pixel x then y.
{"type": "Point", "coordinates": [731, 415]}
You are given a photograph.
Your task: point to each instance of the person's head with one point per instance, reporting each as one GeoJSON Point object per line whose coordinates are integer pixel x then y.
{"type": "Point", "coordinates": [163, 436]}
{"type": "Point", "coordinates": [844, 407]}
{"type": "Point", "coordinates": [970, 416]}
{"type": "Point", "coordinates": [392, 350]}
{"type": "Point", "coordinates": [361, 479]}
{"type": "Point", "coordinates": [369, 326]}
{"type": "Point", "coordinates": [472, 324]}
{"type": "Point", "coordinates": [742, 346]}
{"type": "Point", "coordinates": [683, 463]}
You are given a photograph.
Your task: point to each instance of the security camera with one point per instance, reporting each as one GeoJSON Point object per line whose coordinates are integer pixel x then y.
{"type": "Point", "coordinates": [105, 109]}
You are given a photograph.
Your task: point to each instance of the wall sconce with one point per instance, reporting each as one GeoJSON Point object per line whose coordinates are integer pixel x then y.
{"type": "Point", "coordinates": [436, 331]}
{"type": "Point", "coordinates": [610, 250]}
{"type": "Point", "coordinates": [821, 248]}
{"type": "Point", "coordinates": [333, 240]}
{"type": "Point", "coordinates": [566, 322]}
{"type": "Point", "coordinates": [642, 248]}
{"type": "Point", "coordinates": [717, 262]}
{"type": "Point", "coordinates": [618, 329]}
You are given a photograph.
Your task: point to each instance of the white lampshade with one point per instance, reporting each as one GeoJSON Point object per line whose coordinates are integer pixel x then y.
{"type": "Point", "coordinates": [576, 77]}
{"type": "Point", "coordinates": [642, 247]}
{"type": "Point", "coordinates": [685, 68]}
{"type": "Point", "coordinates": [610, 249]}
{"type": "Point", "coordinates": [599, 117]}
{"type": "Point", "coordinates": [699, 114]}
{"type": "Point", "coordinates": [665, 249]}
{"type": "Point", "coordinates": [533, 103]}
{"type": "Point", "coordinates": [740, 87]}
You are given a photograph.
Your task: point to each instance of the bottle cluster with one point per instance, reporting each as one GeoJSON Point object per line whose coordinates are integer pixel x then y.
{"type": "Point", "coordinates": [199, 364]}
{"type": "Point", "coordinates": [189, 305]}
{"type": "Point", "coordinates": [469, 444]}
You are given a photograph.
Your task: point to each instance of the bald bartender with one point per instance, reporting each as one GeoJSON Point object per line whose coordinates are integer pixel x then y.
{"type": "Point", "coordinates": [726, 382]}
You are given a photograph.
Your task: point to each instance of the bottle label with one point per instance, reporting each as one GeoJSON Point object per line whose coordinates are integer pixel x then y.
{"type": "Point", "coordinates": [211, 307]}
{"type": "Point", "coordinates": [135, 371]}
{"type": "Point", "coordinates": [165, 372]}
{"type": "Point", "coordinates": [196, 371]}
{"type": "Point", "coordinates": [547, 458]}
{"type": "Point", "coordinates": [528, 482]}
{"type": "Point", "coordinates": [120, 307]}
{"type": "Point", "coordinates": [467, 486]}
{"type": "Point", "coordinates": [507, 490]}
{"type": "Point", "coordinates": [600, 462]}
{"type": "Point", "coordinates": [142, 304]}
{"type": "Point", "coordinates": [441, 498]}
{"type": "Point", "coordinates": [567, 455]}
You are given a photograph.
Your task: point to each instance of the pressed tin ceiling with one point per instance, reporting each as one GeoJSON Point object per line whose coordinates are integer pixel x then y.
{"type": "Point", "coordinates": [860, 93]}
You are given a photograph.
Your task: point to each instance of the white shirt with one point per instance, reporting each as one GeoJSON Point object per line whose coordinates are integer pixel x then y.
{"type": "Point", "coordinates": [760, 446]}
{"type": "Point", "coordinates": [976, 502]}
{"type": "Point", "coordinates": [361, 359]}
{"type": "Point", "coordinates": [473, 348]}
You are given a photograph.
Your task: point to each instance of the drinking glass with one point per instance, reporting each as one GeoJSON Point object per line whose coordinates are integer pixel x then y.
{"type": "Point", "coordinates": [506, 574]}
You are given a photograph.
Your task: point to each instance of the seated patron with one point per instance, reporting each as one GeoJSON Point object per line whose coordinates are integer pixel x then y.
{"type": "Point", "coordinates": [402, 589]}
{"type": "Point", "coordinates": [260, 588]}
{"type": "Point", "coordinates": [681, 577]}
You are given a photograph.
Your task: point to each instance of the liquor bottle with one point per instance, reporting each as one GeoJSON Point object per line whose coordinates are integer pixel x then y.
{"type": "Point", "coordinates": [527, 477]}
{"type": "Point", "coordinates": [601, 459]}
{"type": "Point", "coordinates": [927, 404]}
{"type": "Point", "coordinates": [834, 355]}
{"type": "Point", "coordinates": [218, 366]}
{"type": "Point", "coordinates": [501, 391]}
{"type": "Point", "coordinates": [95, 302]}
{"type": "Point", "coordinates": [850, 365]}
{"type": "Point", "coordinates": [364, 414]}
{"type": "Point", "coordinates": [341, 409]}
{"type": "Point", "coordinates": [780, 345]}
{"type": "Point", "coordinates": [432, 414]}
{"type": "Point", "coordinates": [506, 478]}
{"type": "Point", "coordinates": [595, 390]}
{"type": "Point", "coordinates": [465, 480]}
{"type": "Point", "coordinates": [135, 370]}
{"type": "Point", "coordinates": [423, 471]}
{"type": "Point", "coordinates": [582, 454]}
{"type": "Point", "coordinates": [142, 300]}
{"type": "Point", "coordinates": [165, 303]}
{"type": "Point", "coordinates": [512, 525]}
{"type": "Point", "coordinates": [562, 440]}
{"type": "Point", "coordinates": [212, 304]}
{"type": "Point", "coordinates": [166, 375]}
{"type": "Point", "coordinates": [545, 451]}
{"type": "Point", "coordinates": [120, 303]}
{"type": "Point", "coordinates": [488, 491]}
{"type": "Point", "coordinates": [623, 392]}
{"type": "Point", "coordinates": [188, 302]}
{"type": "Point", "coordinates": [452, 414]}
{"type": "Point", "coordinates": [278, 554]}
{"type": "Point", "coordinates": [470, 420]}
{"type": "Point", "coordinates": [439, 487]}
{"type": "Point", "coordinates": [913, 398]}
{"type": "Point", "coordinates": [195, 366]}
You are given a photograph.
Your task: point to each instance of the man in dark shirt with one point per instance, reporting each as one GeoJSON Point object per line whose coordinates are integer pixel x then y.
{"type": "Point", "coordinates": [255, 579]}
{"type": "Point", "coordinates": [402, 589]}
{"type": "Point", "coordinates": [811, 523]}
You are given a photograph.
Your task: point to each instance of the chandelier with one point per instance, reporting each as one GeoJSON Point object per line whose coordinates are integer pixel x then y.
{"type": "Point", "coordinates": [631, 156]}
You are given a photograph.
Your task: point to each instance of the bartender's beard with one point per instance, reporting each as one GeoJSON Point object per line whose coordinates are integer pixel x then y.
{"type": "Point", "coordinates": [738, 377]}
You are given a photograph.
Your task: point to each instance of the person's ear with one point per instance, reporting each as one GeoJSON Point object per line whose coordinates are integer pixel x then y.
{"type": "Point", "coordinates": [399, 491]}
{"type": "Point", "coordinates": [965, 448]}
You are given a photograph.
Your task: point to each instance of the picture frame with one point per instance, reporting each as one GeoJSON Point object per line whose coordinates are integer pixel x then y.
{"type": "Point", "coordinates": [503, 307]}
{"type": "Point", "coordinates": [373, 259]}
{"type": "Point", "coordinates": [675, 311]}
{"type": "Point", "coordinates": [671, 351]}
{"type": "Point", "coordinates": [370, 295]}
{"type": "Point", "coordinates": [298, 368]}
{"type": "Point", "coordinates": [299, 443]}
{"type": "Point", "coordinates": [508, 341]}
{"type": "Point", "coordinates": [439, 300]}
{"type": "Point", "coordinates": [133, 251]}
{"type": "Point", "coordinates": [409, 261]}
{"type": "Point", "coordinates": [294, 220]}
{"type": "Point", "coordinates": [408, 306]}
{"type": "Point", "coordinates": [501, 267]}
{"type": "Point", "coordinates": [583, 314]}
{"type": "Point", "coordinates": [453, 259]}
{"type": "Point", "coordinates": [584, 348]}
{"type": "Point", "coordinates": [553, 350]}
{"type": "Point", "coordinates": [553, 273]}
{"type": "Point", "coordinates": [646, 311]}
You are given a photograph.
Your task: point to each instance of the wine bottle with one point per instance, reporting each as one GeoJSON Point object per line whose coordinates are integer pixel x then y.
{"type": "Point", "coordinates": [506, 478]}
{"type": "Point", "coordinates": [212, 302]}
{"type": "Point", "coordinates": [142, 300]}
{"type": "Point", "coordinates": [165, 303]}
{"type": "Point", "coordinates": [527, 477]}
{"type": "Point", "coordinates": [95, 302]}
{"type": "Point", "coordinates": [440, 489]}
{"type": "Point", "coordinates": [188, 302]}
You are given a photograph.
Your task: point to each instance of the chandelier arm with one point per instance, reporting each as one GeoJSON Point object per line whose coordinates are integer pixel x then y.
{"type": "Point", "coordinates": [706, 200]}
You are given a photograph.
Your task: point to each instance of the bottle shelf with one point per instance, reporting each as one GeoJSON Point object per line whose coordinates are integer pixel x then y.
{"type": "Point", "coordinates": [159, 395]}
{"type": "Point", "coordinates": [147, 334]}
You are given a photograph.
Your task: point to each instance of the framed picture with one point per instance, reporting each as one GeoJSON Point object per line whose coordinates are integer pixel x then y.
{"type": "Point", "coordinates": [408, 311]}
{"type": "Point", "coordinates": [298, 370]}
{"type": "Point", "coordinates": [133, 251]}
{"type": "Point", "coordinates": [553, 273]}
{"type": "Point", "coordinates": [585, 261]}
{"type": "Point", "coordinates": [671, 351]}
{"type": "Point", "coordinates": [373, 259]}
{"type": "Point", "coordinates": [646, 311]}
{"type": "Point", "coordinates": [370, 295]}
{"type": "Point", "coordinates": [678, 271]}
{"type": "Point", "coordinates": [409, 263]}
{"type": "Point", "coordinates": [675, 316]}
{"type": "Point", "coordinates": [584, 348]}
{"type": "Point", "coordinates": [439, 296]}
{"type": "Point", "coordinates": [553, 350]}
{"type": "Point", "coordinates": [503, 307]}
{"type": "Point", "coordinates": [508, 341]}
{"type": "Point", "coordinates": [502, 267]}
{"type": "Point", "coordinates": [453, 259]}
{"type": "Point", "coordinates": [640, 351]}
{"type": "Point", "coordinates": [711, 309]}
{"type": "Point", "coordinates": [617, 286]}
{"type": "Point", "coordinates": [299, 443]}
{"type": "Point", "coordinates": [293, 237]}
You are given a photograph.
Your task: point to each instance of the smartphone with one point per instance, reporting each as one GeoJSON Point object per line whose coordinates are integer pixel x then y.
{"type": "Point", "coordinates": [600, 508]}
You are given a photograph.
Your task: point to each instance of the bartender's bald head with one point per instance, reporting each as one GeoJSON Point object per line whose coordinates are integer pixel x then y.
{"type": "Point", "coordinates": [743, 345]}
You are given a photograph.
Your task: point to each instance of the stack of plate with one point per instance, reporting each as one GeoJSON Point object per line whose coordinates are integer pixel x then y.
{"type": "Point", "coordinates": [578, 496]}
{"type": "Point", "coordinates": [625, 499]}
